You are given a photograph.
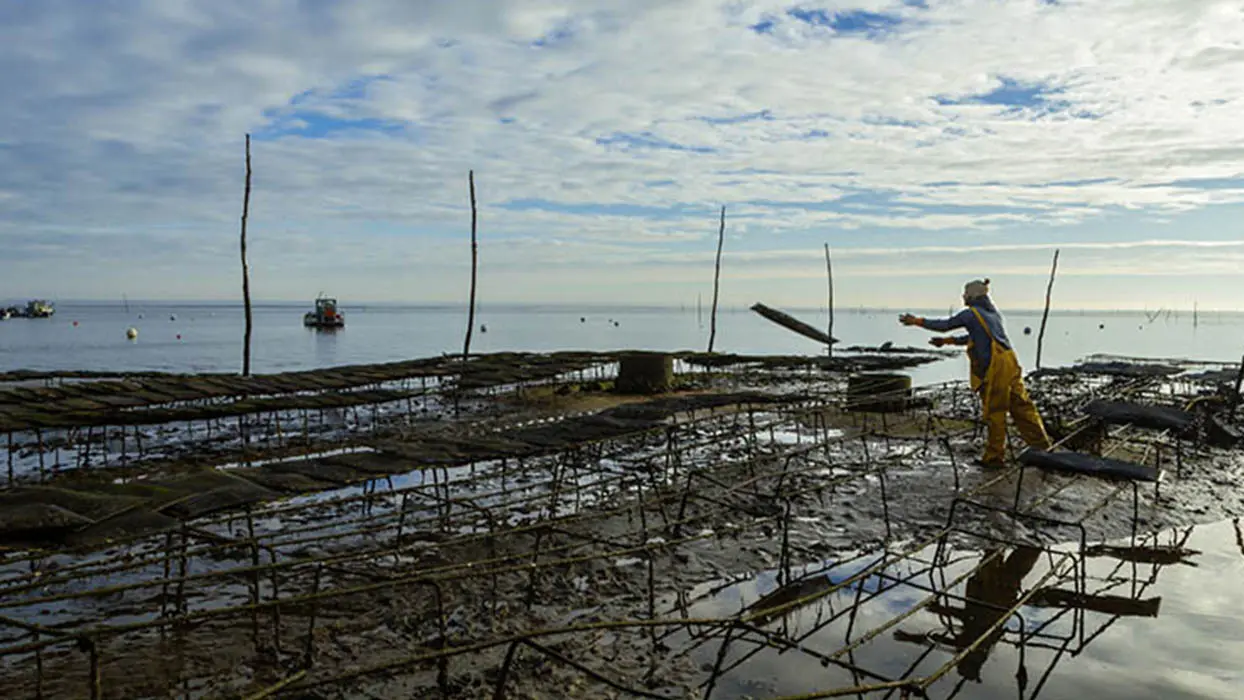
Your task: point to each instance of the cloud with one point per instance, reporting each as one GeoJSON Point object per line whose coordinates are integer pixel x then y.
{"type": "Point", "coordinates": [601, 130]}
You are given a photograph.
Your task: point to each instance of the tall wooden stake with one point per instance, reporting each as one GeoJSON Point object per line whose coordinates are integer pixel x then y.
{"type": "Point", "coordinates": [829, 273]}
{"type": "Point", "coordinates": [466, 345]}
{"type": "Point", "coordinates": [246, 275]}
{"type": "Point", "coordinates": [712, 321]}
{"type": "Point", "coordinates": [1235, 402]}
{"type": "Point", "coordinates": [1049, 289]}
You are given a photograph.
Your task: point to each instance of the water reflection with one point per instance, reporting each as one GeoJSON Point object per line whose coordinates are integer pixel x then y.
{"type": "Point", "coordinates": [991, 593]}
{"type": "Point", "coordinates": [326, 350]}
{"type": "Point", "coordinates": [1012, 620]}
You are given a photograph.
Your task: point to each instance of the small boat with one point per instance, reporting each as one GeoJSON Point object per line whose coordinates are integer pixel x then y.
{"type": "Point", "coordinates": [325, 315]}
{"type": "Point", "coordinates": [5, 314]}
{"type": "Point", "coordinates": [40, 309]}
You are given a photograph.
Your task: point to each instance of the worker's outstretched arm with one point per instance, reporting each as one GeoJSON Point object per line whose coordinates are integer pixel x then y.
{"type": "Point", "coordinates": [940, 325]}
{"type": "Point", "coordinates": [955, 340]}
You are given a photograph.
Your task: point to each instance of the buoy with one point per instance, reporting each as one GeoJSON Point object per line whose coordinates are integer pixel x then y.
{"type": "Point", "coordinates": [1101, 326]}
{"type": "Point", "coordinates": [75, 324]}
{"type": "Point", "coordinates": [616, 324]}
{"type": "Point", "coordinates": [179, 336]}
{"type": "Point", "coordinates": [582, 319]}
{"type": "Point", "coordinates": [1027, 330]}
{"type": "Point", "coordinates": [172, 317]}
{"type": "Point", "coordinates": [131, 333]}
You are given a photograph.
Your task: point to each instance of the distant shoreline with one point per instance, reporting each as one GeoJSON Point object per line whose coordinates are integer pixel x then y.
{"type": "Point", "coordinates": [584, 308]}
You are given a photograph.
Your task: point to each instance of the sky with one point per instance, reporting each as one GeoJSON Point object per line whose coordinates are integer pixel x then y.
{"type": "Point", "coordinates": [926, 142]}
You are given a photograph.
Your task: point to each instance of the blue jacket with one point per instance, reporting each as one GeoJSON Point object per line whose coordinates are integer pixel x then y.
{"type": "Point", "coordinates": [982, 353]}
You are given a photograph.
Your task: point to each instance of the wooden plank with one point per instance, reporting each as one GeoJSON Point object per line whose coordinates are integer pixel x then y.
{"type": "Point", "coordinates": [791, 323]}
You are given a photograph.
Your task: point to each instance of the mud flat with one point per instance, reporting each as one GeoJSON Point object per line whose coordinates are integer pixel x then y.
{"type": "Point", "coordinates": [538, 535]}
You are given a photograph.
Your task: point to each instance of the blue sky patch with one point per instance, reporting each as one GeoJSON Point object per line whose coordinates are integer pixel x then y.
{"type": "Point", "coordinates": [302, 97]}
{"type": "Point", "coordinates": [646, 139]}
{"type": "Point", "coordinates": [608, 209]}
{"type": "Point", "coordinates": [1204, 183]}
{"type": "Point", "coordinates": [848, 22]}
{"type": "Point", "coordinates": [559, 35]}
{"type": "Point", "coordinates": [1076, 183]}
{"type": "Point", "coordinates": [894, 204]}
{"type": "Point", "coordinates": [1015, 95]}
{"type": "Point", "coordinates": [851, 200]}
{"type": "Point", "coordinates": [892, 121]}
{"type": "Point", "coordinates": [764, 26]}
{"type": "Point", "coordinates": [307, 113]}
{"type": "Point", "coordinates": [356, 89]}
{"type": "Point", "coordinates": [762, 115]}
{"type": "Point", "coordinates": [315, 125]}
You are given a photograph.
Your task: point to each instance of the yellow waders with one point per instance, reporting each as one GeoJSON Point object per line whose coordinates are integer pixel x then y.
{"type": "Point", "coordinates": [1002, 391]}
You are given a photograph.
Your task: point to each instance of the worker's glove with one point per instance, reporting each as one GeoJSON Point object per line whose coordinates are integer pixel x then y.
{"type": "Point", "coordinates": [939, 342]}
{"type": "Point", "coordinates": [909, 320]}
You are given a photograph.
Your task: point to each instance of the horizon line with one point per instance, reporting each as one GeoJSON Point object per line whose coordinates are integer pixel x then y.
{"type": "Point", "coordinates": [625, 305]}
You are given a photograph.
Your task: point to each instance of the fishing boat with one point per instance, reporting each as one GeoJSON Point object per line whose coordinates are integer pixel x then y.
{"type": "Point", "coordinates": [39, 309]}
{"type": "Point", "coordinates": [325, 315]}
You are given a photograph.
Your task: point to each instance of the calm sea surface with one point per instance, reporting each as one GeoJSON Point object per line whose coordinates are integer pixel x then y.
{"type": "Point", "coordinates": [208, 336]}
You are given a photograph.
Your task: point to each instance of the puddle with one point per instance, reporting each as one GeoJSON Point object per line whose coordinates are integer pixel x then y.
{"type": "Point", "coordinates": [1165, 620]}
{"type": "Point", "coordinates": [300, 458]}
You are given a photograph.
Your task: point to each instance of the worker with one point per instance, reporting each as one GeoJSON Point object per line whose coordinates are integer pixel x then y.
{"type": "Point", "coordinates": [995, 371]}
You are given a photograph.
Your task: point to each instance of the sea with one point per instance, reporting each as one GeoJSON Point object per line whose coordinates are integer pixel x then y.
{"type": "Point", "coordinates": [207, 336]}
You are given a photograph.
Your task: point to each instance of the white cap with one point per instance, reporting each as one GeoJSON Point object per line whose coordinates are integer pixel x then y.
{"type": "Point", "coordinates": [976, 288]}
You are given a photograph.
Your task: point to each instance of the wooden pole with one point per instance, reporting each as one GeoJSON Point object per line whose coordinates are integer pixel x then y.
{"type": "Point", "coordinates": [1235, 400]}
{"type": "Point", "coordinates": [712, 321]}
{"type": "Point", "coordinates": [1046, 314]}
{"type": "Point", "coordinates": [466, 345]}
{"type": "Point", "coordinates": [829, 273]}
{"type": "Point", "coordinates": [246, 276]}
